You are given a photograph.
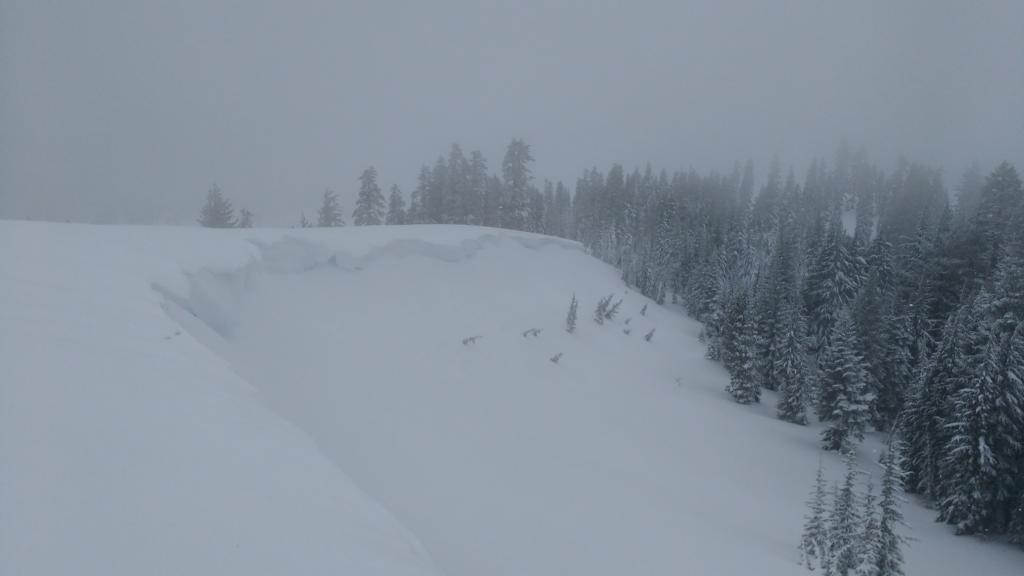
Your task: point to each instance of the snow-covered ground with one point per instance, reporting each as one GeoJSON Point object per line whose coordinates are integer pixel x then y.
{"type": "Point", "coordinates": [189, 401]}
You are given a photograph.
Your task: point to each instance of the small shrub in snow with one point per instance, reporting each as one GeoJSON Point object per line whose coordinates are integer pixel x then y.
{"type": "Point", "coordinates": [470, 340]}
{"type": "Point", "coordinates": [649, 335]}
{"type": "Point", "coordinates": [570, 318]}
{"type": "Point", "coordinates": [627, 331]}
{"type": "Point", "coordinates": [532, 332]}
{"type": "Point", "coordinates": [610, 311]}
{"type": "Point", "coordinates": [554, 359]}
{"type": "Point", "coordinates": [602, 309]}
{"type": "Point", "coordinates": [643, 311]}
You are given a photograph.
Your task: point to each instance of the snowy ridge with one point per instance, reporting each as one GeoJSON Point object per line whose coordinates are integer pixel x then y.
{"type": "Point", "coordinates": [196, 401]}
{"type": "Point", "coordinates": [126, 447]}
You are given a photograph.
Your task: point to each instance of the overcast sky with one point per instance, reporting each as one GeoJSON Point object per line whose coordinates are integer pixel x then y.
{"type": "Point", "coordinates": [141, 105]}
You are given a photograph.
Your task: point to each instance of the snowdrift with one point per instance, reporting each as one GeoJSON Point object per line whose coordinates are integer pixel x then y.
{"type": "Point", "coordinates": [306, 401]}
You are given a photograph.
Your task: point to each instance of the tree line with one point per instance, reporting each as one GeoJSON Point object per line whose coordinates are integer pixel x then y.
{"type": "Point", "coordinates": [864, 298]}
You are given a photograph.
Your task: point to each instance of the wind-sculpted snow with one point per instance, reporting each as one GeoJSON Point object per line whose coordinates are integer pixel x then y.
{"type": "Point", "coordinates": [195, 401]}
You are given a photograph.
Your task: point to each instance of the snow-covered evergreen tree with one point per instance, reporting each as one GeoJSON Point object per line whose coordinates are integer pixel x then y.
{"type": "Point", "coordinates": [329, 214]}
{"type": "Point", "coordinates": [832, 282]}
{"type": "Point", "coordinates": [887, 551]}
{"type": "Point", "coordinates": [369, 209]}
{"type": "Point", "coordinates": [396, 207]}
{"type": "Point", "coordinates": [738, 352]}
{"type": "Point", "coordinates": [844, 399]}
{"type": "Point", "coordinates": [845, 524]}
{"type": "Point", "coordinates": [790, 369]}
{"type": "Point", "coordinates": [515, 170]}
{"type": "Point", "coordinates": [814, 546]}
{"type": "Point", "coordinates": [217, 212]}
{"type": "Point", "coordinates": [869, 535]}
{"type": "Point", "coordinates": [987, 426]}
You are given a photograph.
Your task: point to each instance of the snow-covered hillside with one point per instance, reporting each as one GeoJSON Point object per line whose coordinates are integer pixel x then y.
{"type": "Point", "coordinates": [191, 401]}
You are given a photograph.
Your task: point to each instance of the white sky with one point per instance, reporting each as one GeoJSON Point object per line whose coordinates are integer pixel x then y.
{"type": "Point", "coordinates": [120, 110]}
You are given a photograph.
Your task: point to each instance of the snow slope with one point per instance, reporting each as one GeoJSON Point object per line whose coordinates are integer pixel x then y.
{"type": "Point", "coordinates": [196, 401]}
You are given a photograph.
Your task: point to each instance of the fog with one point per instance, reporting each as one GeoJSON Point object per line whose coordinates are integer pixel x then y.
{"type": "Point", "coordinates": [127, 111]}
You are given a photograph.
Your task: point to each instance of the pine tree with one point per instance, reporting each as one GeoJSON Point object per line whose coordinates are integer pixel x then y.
{"type": "Point", "coordinates": [845, 524]}
{"type": "Point", "coordinates": [832, 282]}
{"type": "Point", "coordinates": [987, 425]}
{"type": "Point", "coordinates": [570, 318]}
{"type": "Point", "coordinates": [303, 222]}
{"type": "Point", "coordinates": [217, 212]}
{"type": "Point", "coordinates": [790, 371]}
{"type": "Point", "coordinates": [870, 534]}
{"type": "Point", "coordinates": [887, 553]}
{"type": "Point", "coordinates": [369, 209]}
{"type": "Point", "coordinates": [396, 207]}
{"type": "Point", "coordinates": [844, 398]}
{"type": "Point", "coordinates": [738, 352]}
{"type": "Point", "coordinates": [515, 170]}
{"type": "Point", "coordinates": [814, 542]}
{"type": "Point", "coordinates": [329, 214]}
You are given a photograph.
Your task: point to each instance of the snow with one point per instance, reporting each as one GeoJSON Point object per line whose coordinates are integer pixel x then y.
{"type": "Point", "coordinates": [180, 400]}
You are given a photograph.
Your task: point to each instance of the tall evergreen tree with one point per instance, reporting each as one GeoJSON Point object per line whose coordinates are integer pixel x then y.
{"type": "Point", "coordinates": [738, 352]}
{"type": "Point", "coordinates": [217, 212]}
{"type": "Point", "coordinates": [396, 207]}
{"type": "Point", "coordinates": [844, 398]}
{"type": "Point", "coordinates": [832, 282]}
{"type": "Point", "coordinates": [790, 370]}
{"type": "Point", "coordinates": [987, 425]}
{"type": "Point", "coordinates": [329, 214]}
{"type": "Point", "coordinates": [869, 535]}
{"type": "Point", "coordinates": [370, 203]}
{"type": "Point", "coordinates": [814, 545]}
{"type": "Point", "coordinates": [515, 170]}
{"type": "Point", "coordinates": [845, 545]}
{"type": "Point", "coordinates": [887, 551]}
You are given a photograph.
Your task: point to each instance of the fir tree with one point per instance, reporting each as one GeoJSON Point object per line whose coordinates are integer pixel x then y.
{"type": "Point", "coordinates": [887, 550]}
{"type": "Point", "coordinates": [832, 282]}
{"type": "Point", "coordinates": [738, 352]}
{"type": "Point", "coordinates": [844, 397]}
{"type": "Point", "coordinates": [217, 212]}
{"type": "Point", "coordinates": [515, 170]}
{"type": "Point", "coordinates": [570, 318]}
{"type": "Point", "coordinates": [329, 214]}
{"type": "Point", "coordinates": [987, 425]}
{"type": "Point", "coordinates": [814, 542]}
{"type": "Point", "coordinates": [923, 426]}
{"type": "Point", "coordinates": [790, 371]}
{"type": "Point", "coordinates": [845, 524]}
{"type": "Point", "coordinates": [870, 534]}
{"type": "Point", "coordinates": [369, 209]}
{"type": "Point", "coordinates": [396, 207]}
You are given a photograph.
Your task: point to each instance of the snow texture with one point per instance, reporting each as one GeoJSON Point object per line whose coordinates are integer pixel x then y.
{"type": "Point", "coordinates": [190, 401]}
